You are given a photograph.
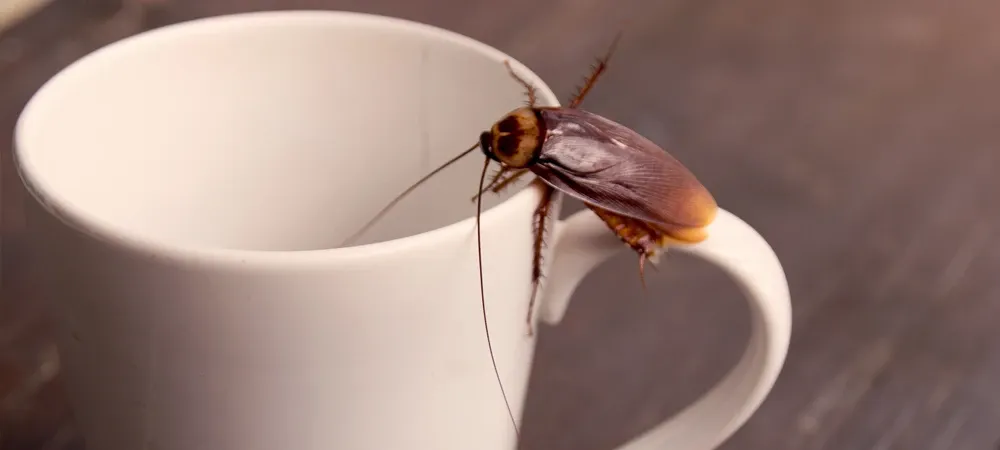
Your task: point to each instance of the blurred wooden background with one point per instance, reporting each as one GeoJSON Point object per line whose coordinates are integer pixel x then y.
{"type": "Point", "coordinates": [859, 136]}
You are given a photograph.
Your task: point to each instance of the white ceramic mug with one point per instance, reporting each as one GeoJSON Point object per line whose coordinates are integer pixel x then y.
{"type": "Point", "coordinates": [192, 184]}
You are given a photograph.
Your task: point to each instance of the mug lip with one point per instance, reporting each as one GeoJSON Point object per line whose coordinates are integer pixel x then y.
{"type": "Point", "coordinates": [107, 231]}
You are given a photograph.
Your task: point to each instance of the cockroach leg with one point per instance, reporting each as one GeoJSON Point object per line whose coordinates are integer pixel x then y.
{"type": "Point", "coordinates": [493, 181]}
{"type": "Point", "coordinates": [642, 269]}
{"type": "Point", "coordinates": [497, 177]}
{"type": "Point", "coordinates": [644, 238]}
{"type": "Point", "coordinates": [528, 88]}
{"type": "Point", "coordinates": [501, 180]}
{"type": "Point", "coordinates": [541, 216]}
{"type": "Point", "coordinates": [643, 258]}
{"type": "Point", "coordinates": [595, 73]}
{"type": "Point", "coordinates": [508, 180]}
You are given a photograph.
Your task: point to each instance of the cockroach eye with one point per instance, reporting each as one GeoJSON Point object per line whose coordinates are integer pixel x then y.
{"type": "Point", "coordinates": [485, 143]}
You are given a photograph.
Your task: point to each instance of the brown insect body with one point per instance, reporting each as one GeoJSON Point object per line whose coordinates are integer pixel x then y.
{"type": "Point", "coordinates": [645, 196]}
{"type": "Point", "coordinates": [606, 165]}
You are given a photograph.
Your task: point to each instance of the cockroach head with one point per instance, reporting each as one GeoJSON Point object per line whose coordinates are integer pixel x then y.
{"type": "Point", "coordinates": [486, 144]}
{"type": "Point", "coordinates": [516, 140]}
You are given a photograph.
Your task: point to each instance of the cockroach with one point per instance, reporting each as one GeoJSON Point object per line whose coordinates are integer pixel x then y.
{"type": "Point", "coordinates": [645, 196]}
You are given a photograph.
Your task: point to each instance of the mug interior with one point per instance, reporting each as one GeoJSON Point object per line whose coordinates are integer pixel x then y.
{"type": "Point", "coordinates": [276, 131]}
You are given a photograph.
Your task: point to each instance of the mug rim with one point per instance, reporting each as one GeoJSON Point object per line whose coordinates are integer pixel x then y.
{"type": "Point", "coordinates": [109, 232]}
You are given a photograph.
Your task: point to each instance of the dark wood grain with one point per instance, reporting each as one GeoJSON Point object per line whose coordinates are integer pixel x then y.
{"type": "Point", "coordinates": [859, 136]}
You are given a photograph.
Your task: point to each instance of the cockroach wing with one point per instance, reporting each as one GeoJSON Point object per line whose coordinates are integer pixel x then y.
{"type": "Point", "coordinates": [611, 166]}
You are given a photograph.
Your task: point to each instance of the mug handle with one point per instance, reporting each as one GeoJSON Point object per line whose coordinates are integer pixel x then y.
{"type": "Point", "coordinates": [583, 241]}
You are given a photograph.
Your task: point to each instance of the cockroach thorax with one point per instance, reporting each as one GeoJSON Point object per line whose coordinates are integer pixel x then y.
{"type": "Point", "coordinates": [516, 140]}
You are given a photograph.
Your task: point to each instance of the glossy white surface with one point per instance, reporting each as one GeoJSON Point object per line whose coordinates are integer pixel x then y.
{"type": "Point", "coordinates": [193, 182]}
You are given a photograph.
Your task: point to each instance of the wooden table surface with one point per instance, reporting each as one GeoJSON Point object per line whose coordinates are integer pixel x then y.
{"type": "Point", "coordinates": [858, 136]}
